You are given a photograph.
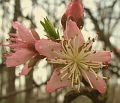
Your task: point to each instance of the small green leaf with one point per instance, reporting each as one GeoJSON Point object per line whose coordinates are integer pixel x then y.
{"type": "Point", "coordinates": [50, 30]}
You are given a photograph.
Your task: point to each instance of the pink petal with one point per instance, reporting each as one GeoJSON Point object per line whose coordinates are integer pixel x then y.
{"type": "Point", "coordinates": [71, 31]}
{"type": "Point", "coordinates": [100, 56]}
{"type": "Point", "coordinates": [25, 70]}
{"type": "Point", "coordinates": [19, 57]}
{"type": "Point", "coordinates": [45, 46]}
{"type": "Point", "coordinates": [55, 82]}
{"type": "Point", "coordinates": [23, 32]}
{"type": "Point", "coordinates": [99, 84]}
{"type": "Point", "coordinates": [16, 45]}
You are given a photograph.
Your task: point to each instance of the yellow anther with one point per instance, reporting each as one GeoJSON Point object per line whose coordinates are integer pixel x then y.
{"type": "Point", "coordinates": [81, 27]}
{"type": "Point", "coordinates": [68, 70]}
{"type": "Point", "coordinates": [60, 50]}
{"type": "Point", "coordinates": [85, 50]}
{"type": "Point", "coordinates": [48, 59]}
{"type": "Point", "coordinates": [61, 79]}
{"type": "Point", "coordinates": [56, 58]}
{"type": "Point", "coordinates": [98, 33]}
{"type": "Point", "coordinates": [108, 77]}
{"type": "Point", "coordinates": [76, 34]}
{"type": "Point", "coordinates": [78, 73]}
{"type": "Point", "coordinates": [58, 73]}
{"type": "Point", "coordinates": [93, 40]}
{"type": "Point", "coordinates": [72, 87]}
{"type": "Point", "coordinates": [104, 49]}
{"type": "Point", "coordinates": [71, 37]}
{"type": "Point", "coordinates": [66, 61]}
{"type": "Point", "coordinates": [69, 47]}
{"type": "Point", "coordinates": [62, 36]}
{"type": "Point", "coordinates": [52, 49]}
{"type": "Point", "coordinates": [69, 78]}
{"type": "Point", "coordinates": [65, 42]}
{"type": "Point", "coordinates": [94, 52]}
{"type": "Point", "coordinates": [75, 81]}
{"type": "Point", "coordinates": [96, 78]}
{"type": "Point", "coordinates": [7, 39]}
{"type": "Point", "coordinates": [111, 50]}
{"type": "Point", "coordinates": [88, 38]}
{"type": "Point", "coordinates": [78, 91]}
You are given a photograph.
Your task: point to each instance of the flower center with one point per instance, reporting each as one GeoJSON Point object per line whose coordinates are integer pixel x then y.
{"type": "Point", "coordinates": [74, 57]}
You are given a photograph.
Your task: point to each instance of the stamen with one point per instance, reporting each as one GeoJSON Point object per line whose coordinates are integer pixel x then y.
{"type": "Point", "coordinates": [106, 77]}
{"type": "Point", "coordinates": [98, 33]}
{"type": "Point", "coordinates": [72, 85]}
{"type": "Point", "coordinates": [76, 34]}
{"type": "Point", "coordinates": [48, 59]}
{"type": "Point", "coordinates": [93, 40]}
{"type": "Point", "coordinates": [63, 76]}
{"type": "Point", "coordinates": [67, 61]}
{"type": "Point", "coordinates": [78, 90]}
{"type": "Point", "coordinates": [62, 36]}
{"type": "Point", "coordinates": [94, 52]}
{"type": "Point", "coordinates": [94, 73]}
{"type": "Point", "coordinates": [81, 27]}
{"type": "Point", "coordinates": [111, 50]}
{"type": "Point", "coordinates": [61, 51]}
{"type": "Point", "coordinates": [52, 49]}
{"type": "Point", "coordinates": [88, 38]}
{"type": "Point", "coordinates": [66, 67]}
{"type": "Point", "coordinates": [71, 37]}
{"type": "Point", "coordinates": [104, 49]}
{"type": "Point", "coordinates": [87, 78]}
{"type": "Point", "coordinates": [59, 74]}
{"type": "Point", "coordinates": [7, 39]}
{"type": "Point", "coordinates": [56, 58]}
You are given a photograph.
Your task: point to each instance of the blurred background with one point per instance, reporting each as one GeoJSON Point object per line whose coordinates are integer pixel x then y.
{"type": "Point", "coordinates": [101, 16]}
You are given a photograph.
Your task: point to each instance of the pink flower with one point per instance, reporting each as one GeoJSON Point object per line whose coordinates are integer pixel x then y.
{"type": "Point", "coordinates": [75, 12]}
{"type": "Point", "coordinates": [73, 58]}
{"type": "Point", "coordinates": [22, 48]}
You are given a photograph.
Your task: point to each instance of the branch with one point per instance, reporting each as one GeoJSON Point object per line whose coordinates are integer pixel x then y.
{"type": "Point", "coordinates": [93, 94]}
{"type": "Point", "coordinates": [102, 36]}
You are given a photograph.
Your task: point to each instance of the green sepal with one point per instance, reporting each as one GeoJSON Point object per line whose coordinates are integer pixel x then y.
{"type": "Point", "coordinates": [50, 30]}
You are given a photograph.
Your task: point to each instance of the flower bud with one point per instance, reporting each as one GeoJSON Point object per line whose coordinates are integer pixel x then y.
{"type": "Point", "coordinates": [75, 12]}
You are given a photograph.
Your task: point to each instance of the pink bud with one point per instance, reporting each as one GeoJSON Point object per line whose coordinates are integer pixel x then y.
{"type": "Point", "coordinates": [75, 12]}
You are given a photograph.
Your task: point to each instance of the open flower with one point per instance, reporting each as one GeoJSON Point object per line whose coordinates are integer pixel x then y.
{"type": "Point", "coordinates": [75, 12]}
{"type": "Point", "coordinates": [22, 48]}
{"type": "Point", "coordinates": [74, 59]}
